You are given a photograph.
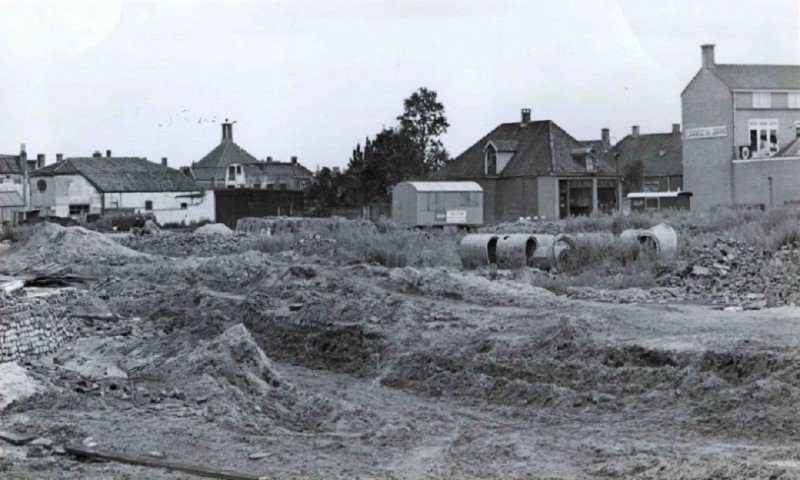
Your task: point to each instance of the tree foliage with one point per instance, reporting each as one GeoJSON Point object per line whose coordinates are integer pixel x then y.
{"type": "Point", "coordinates": [633, 177]}
{"type": "Point", "coordinates": [423, 119]}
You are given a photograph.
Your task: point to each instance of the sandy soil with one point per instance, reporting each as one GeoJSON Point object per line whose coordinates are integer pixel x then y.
{"type": "Point", "coordinates": [369, 372]}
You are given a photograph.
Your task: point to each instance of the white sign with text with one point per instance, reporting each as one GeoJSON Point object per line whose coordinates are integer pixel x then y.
{"type": "Point", "coordinates": [705, 132]}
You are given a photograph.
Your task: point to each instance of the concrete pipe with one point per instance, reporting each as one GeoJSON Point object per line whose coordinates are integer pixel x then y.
{"type": "Point", "coordinates": [661, 240]}
{"type": "Point", "coordinates": [562, 251]}
{"type": "Point", "coordinates": [478, 250]}
{"type": "Point", "coordinates": [515, 250]}
{"type": "Point", "coordinates": [541, 256]}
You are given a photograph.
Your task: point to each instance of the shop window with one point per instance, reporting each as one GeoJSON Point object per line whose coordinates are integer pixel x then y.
{"type": "Point", "coordinates": [763, 138]}
{"type": "Point", "coordinates": [762, 100]}
{"type": "Point", "coordinates": [491, 161]}
{"type": "Point", "coordinates": [148, 205]}
{"type": "Point", "coordinates": [78, 209]}
{"type": "Point", "coordinates": [794, 100]}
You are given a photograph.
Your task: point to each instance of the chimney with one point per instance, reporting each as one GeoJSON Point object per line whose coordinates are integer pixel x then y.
{"type": "Point", "coordinates": [605, 134]}
{"type": "Point", "coordinates": [227, 131]}
{"type": "Point", "coordinates": [108, 153]}
{"type": "Point", "coordinates": [97, 154]}
{"type": "Point", "coordinates": [526, 116]}
{"type": "Point", "coordinates": [59, 157]}
{"type": "Point", "coordinates": [294, 159]}
{"type": "Point", "coordinates": [40, 160]}
{"type": "Point", "coordinates": [22, 148]}
{"type": "Point", "coordinates": [269, 159]}
{"type": "Point", "coordinates": [164, 161]}
{"type": "Point", "coordinates": [676, 128]}
{"type": "Point", "coordinates": [635, 131]}
{"type": "Point", "coordinates": [708, 55]}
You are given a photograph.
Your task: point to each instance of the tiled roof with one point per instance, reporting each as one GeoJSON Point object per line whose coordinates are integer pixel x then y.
{"type": "Point", "coordinates": [11, 199]}
{"type": "Point", "coordinates": [281, 169]}
{"type": "Point", "coordinates": [542, 147]}
{"type": "Point", "coordinates": [213, 165]}
{"type": "Point", "coordinates": [122, 174]}
{"type": "Point", "coordinates": [661, 153]}
{"type": "Point", "coordinates": [9, 164]}
{"type": "Point", "coordinates": [768, 77]}
{"type": "Point", "coordinates": [505, 145]}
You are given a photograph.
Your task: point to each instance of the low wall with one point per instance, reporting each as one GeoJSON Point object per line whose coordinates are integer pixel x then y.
{"type": "Point", "coordinates": [33, 322]}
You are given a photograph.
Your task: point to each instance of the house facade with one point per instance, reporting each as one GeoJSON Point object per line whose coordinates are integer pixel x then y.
{"type": "Point", "coordinates": [14, 192]}
{"type": "Point", "coordinates": [74, 187]}
{"type": "Point", "coordinates": [661, 155]}
{"type": "Point", "coordinates": [230, 166]}
{"type": "Point", "coordinates": [536, 169]}
{"type": "Point", "coordinates": [741, 125]}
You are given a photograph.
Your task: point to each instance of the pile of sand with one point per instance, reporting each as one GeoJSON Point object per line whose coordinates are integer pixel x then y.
{"type": "Point", "coordinates": [15, 384]}
{"type": "Point", "coordinates": [214, 229]}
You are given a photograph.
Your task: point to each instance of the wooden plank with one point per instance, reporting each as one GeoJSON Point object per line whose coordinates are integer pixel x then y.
{"type": "Point", "coordinates": [80, 451]}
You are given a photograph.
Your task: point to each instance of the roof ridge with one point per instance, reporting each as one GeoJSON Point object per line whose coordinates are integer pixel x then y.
{"type": "Point", "coordinates": [755, 65]}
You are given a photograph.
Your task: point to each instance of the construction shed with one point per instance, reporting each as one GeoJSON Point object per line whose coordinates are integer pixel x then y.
{"type": "Point", "coordinates": [642, 201]}
{"type": "Point", "coordinates": [428, 204]}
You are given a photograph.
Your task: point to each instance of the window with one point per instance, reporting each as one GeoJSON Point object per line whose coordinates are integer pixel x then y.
{"type": "Point", "coordinates": [41, 185]}
{"type": "Point", "coordinates": [231, 171]}
{"type": "Point", "coordinates": [270, 186]}
{"type": "Point", "coordinates": [148, 205]}
{"type": "Point", "coordinates": [238, 169]}
{"type": "Point", "coordinates": [184, 206]}
{"type": "Point", "coordinates": [794, 100]}
{"type": "Point", "coordinates": [491, 161]}
{"type": "Point", "coordinates": [651, 203]}
{"type": "Point", "coordinates": [469, 199]}
{"type": "Point", "coordinates": [763, 138]}
{"type": "Point", "coordinates": [78, 209]}
{"type": "Point", "coordinates": [282, 186]}
{"type": "Point", "coordinates": [762, 100]}
{"type": "Point", "coordinates": [257, 186]}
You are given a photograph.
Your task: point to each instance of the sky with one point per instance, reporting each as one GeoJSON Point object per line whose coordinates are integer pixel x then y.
{"type": "Point", "coordinates": [312, 78]}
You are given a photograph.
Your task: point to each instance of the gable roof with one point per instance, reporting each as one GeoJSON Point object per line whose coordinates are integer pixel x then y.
{"type": "Point", "coordinates": [660, 153]}
{"type": "Point", "coordinates": [278, 169]}
{"type": "Point", "coordinates": [215, 162]}
{"type": "Point", "coordinates": [10, 164]}
{"type": "Point", "coordinates": [122, 174]}
{"type": "Point", "coordinates": [542, 147]}
{"type": "Point", "coordinates": [758, 77]}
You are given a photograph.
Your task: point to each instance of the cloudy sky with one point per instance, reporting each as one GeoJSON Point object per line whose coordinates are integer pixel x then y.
{"type": "Point", "coordinates": [313, 78]}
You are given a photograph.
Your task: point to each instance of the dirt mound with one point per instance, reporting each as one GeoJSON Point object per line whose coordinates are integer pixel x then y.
{"type": "Point", "coordinates": [49, 242]}
{"type": "Point", "coordinates": [214, 229]}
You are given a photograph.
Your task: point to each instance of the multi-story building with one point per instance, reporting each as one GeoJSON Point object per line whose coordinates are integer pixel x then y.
{"type": "Point", "coordinates": [741, 125]}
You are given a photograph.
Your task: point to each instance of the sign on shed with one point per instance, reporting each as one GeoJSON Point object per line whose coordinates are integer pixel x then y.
{"type": "Point", "coordinates": [456, 216]}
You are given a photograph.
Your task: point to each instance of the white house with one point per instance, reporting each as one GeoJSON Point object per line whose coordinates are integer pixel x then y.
{"type": "Point", "coordinates": [76, 186]}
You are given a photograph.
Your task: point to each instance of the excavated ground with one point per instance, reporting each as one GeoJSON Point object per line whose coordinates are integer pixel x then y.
{"type": "Point", "coordinates": [373, 372]}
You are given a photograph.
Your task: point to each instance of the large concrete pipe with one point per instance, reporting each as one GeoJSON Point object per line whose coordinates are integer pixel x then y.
{"type": "Point", "coordinates": [515, 250]}
{"type": "Point", "coordinates": [478, 250]}
{"type": "Point", "coordinates": [662, 240]}
{"type": "Point", "coordinates": [541, 256]}
{"type": "Point", "coordinates": [562, 251]}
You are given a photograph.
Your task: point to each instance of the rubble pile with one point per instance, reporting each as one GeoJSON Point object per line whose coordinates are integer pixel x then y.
{"type": "Point", "coordinates": [183, 244]}
{"type": "Point", "coordinates": [32, 322]}
{"type": "Point", "coordinates": [729, 272]}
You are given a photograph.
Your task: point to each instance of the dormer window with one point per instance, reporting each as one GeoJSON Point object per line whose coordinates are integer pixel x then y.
{"type": "Point", "coordinates": [491, 161]}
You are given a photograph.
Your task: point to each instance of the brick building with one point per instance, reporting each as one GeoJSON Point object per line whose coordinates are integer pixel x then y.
{"type": "Point", "coordinates": [661, 155]}
{"type": "Point", "coordinates": [741, 125]}
{"type": "Point", "coordinates": [536, 169]}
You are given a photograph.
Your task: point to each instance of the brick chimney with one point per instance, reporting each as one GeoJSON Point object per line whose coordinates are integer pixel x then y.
{"type": "Point", "coordinates": [635, 131]}
{"type": "Point", "coordinates": [526, 116]}
{"type": "Point", "coordinates": [59, 157]}
{"type": "Point", "coordinates": [108, 153]}
{"type": "Point", "coordinates": [676, 128]}
{"type": "Point", "coordinates": [708, 55]}
{"type": "Point", "coordinates": [227, 131]}
{"type": "Point", "coordinates": [294, 159]}
{"type": "Point", "coordinates": [605, 134]}
{"type": "Point", "coordinates": [164, 161]}
{"type": "Point", "coordinates": [40, 160]}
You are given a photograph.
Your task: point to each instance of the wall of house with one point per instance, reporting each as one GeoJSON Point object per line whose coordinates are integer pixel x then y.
{"type": "Point", "coordinates": [516, 197]}
{"type": "Point", "coordinates": [787, 118]}
{"type": "Point", "coordinates": [12, 183]}
{"type": "Point", "coordinates": [547, 191]}
{"type": "Point", "coordinates": [62, 191]}
{"type": "Point", "coordinates": [707, 162]}
{"type": "Point", "coordinates": [753, 181]}
{"type": "Point", "coordinates": [166, 205]}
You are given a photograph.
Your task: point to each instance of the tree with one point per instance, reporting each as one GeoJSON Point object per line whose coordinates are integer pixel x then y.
{"type": "Point", "coordinates": [424, 120]}
{"type": "Point", "coordinates": [633, 177]}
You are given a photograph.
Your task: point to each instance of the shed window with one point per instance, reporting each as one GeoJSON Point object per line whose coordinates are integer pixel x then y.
{"type": "Point", "coordinates": [78, 209]}
{"type": "Point", "coordinates": [148, 205]}
{"type": "Point", "coordinates": [762, 100]}
{"type": "Point", "coordinates": [469, 199]}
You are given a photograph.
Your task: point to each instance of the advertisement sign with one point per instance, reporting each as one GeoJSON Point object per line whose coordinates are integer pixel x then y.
{"type": "Point", "coordinates": [705, 132]}
{"type": "Point", "coordinates": [456, 216]}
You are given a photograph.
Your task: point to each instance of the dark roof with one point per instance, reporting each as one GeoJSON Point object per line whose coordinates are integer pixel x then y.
{"type": "Point", "coordinates": [661, 153]}
{"type": "Point", "coordinates": [768, 77]}
{"type": "Point", "coordinates": [599, 146]}
{"type": "Point", "coordinates": [278, 169]}
{"type": "Point", "coordinates": [122, 174]}
{"type": "Point", "coordinates": [790, 150]}
{"type": "Point", "coordinates": [10, 164]}
{"type": "Point", "coordinates": [213, 165]}
{"type": "Point", "coordinates": [542, 147]}
{"type": "Point", "coordinates": [505, 145]}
